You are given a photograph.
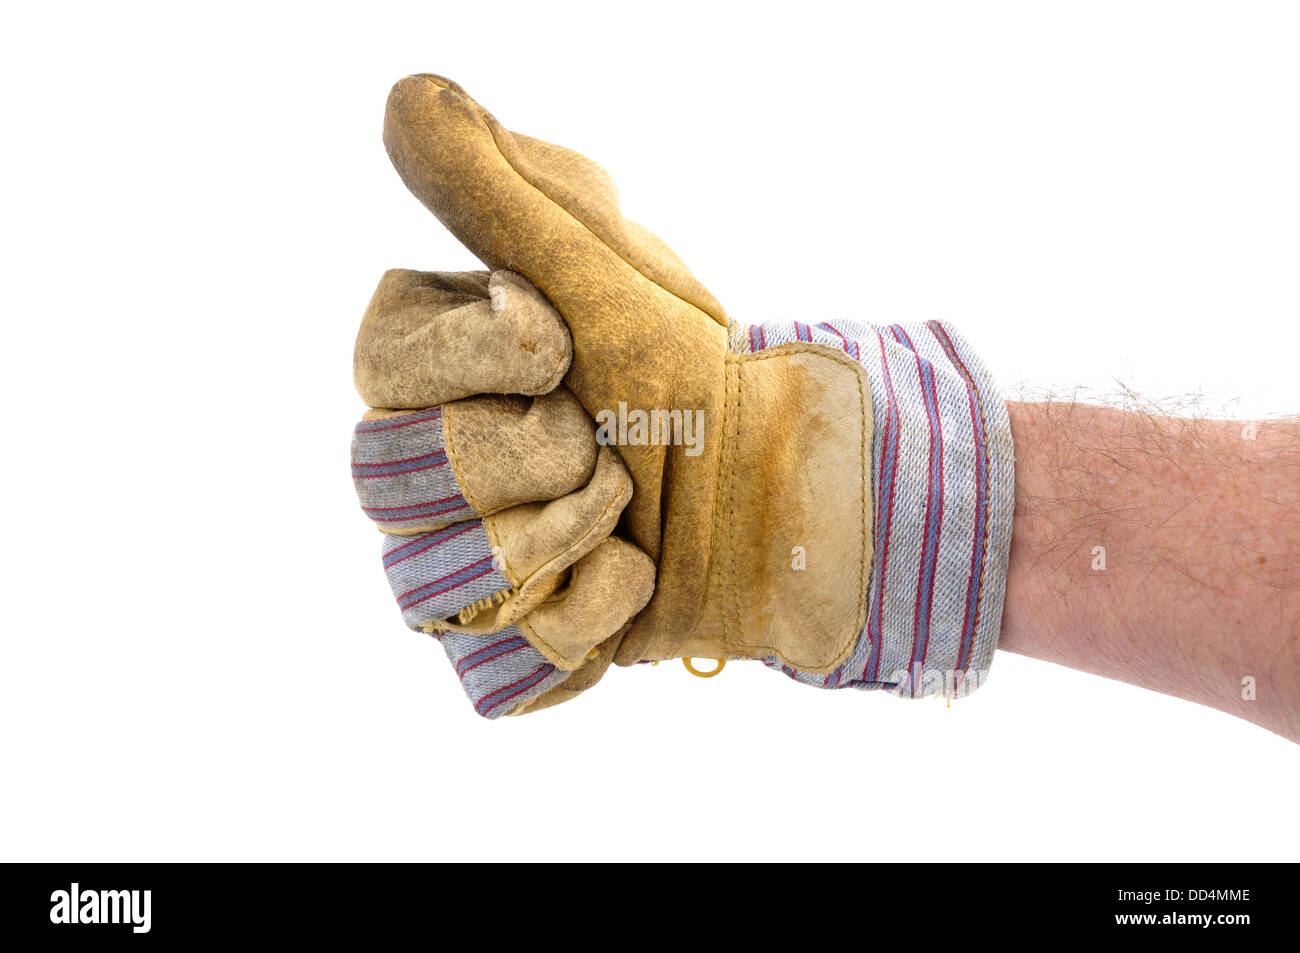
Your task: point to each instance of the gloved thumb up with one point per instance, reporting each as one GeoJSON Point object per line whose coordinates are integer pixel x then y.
{"type": "Point", "coordinates": [783, 456]}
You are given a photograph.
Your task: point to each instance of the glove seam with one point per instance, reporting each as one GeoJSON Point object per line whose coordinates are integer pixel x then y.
{"type": "Point", "coordinates": [843, 652]}
{"type": "Point", "coordinates": [731, 503]}
{"type": "Point", "coordinates": [453, 459]}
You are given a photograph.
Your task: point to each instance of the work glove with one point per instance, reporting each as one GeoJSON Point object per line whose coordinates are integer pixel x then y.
{"type": "Point", "coordinates": [833, 498]}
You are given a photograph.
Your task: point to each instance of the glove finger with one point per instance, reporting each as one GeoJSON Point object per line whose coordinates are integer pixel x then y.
{"type": "Point", "coordinates": [520, 203]}
{"type": "Point", "coordinates": [417, 472]}
{"type": "Point", "coordinates": [536, 543]}
{"type": "Point", "coordinates": [576, 682]}
{"type": "Point", "coordinates": [501, 673]}
{"type": "Point", "coordinates": [605, 589]}
{"type": "Point", "coordinates": [507, 672]}
{"type": "Point", "coordinates": [435, 575]}
{"type": "Point", "coordinates": [508, 450]}
{"type": "Point", "coordinates": [482, 575]}
{"type": "Point", "coordinates": [429, 338]}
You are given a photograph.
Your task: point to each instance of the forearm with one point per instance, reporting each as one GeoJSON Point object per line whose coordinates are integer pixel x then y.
{"type": "Point", "coordinates": [1160, 551]}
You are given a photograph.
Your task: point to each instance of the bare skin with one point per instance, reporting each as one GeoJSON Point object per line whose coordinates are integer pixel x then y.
{"type": "Point", "coordinates": [1196, 586]}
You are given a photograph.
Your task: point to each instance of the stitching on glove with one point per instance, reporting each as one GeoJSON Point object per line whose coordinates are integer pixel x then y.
{"type": "Point", "coordinates": [822, 351]}
{"type": "Point", "coordinates": [724, 500]}
{"type": "Point", "coordinates": [469, 612]}
{"type": "Point", "coordinates": [734, 441]}
{"type": "Point", "coordinates": [453, 458]}
{"type": "Point", "coordinates": [953, 355]}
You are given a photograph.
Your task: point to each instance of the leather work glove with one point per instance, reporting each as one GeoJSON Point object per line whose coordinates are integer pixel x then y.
{"type": "Point", "coordinates": [833, 498]}
{"type": "Point", "coordinates": [496, 509]}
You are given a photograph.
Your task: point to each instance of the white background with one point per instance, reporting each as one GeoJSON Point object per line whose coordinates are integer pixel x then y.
{"type": "Point", "coordinates": [201, 657]}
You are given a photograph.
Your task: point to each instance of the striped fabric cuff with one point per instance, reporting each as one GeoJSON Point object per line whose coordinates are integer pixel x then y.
{"type": "Point", "coordinates": [400, 470]}
{"type": "Point", "coordinates": [943, 485]}
{"type": "Point", "coordinates": [501, 671]}
{"type": "Point", "coordinates": [402, 475]}
{"type": "Point", "coordinates": [434, 576]}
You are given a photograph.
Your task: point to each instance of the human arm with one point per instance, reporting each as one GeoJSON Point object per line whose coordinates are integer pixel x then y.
{"type": "Point", "coordinates": [1160, 551]}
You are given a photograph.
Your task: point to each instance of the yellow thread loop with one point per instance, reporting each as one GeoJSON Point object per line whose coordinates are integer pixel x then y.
{"type": "Point", "coordinates": [709, 674]}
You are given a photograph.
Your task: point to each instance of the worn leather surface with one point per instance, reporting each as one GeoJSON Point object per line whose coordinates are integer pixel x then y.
{"type": "Point", "coordinates": [507, 449]}
{"type": "Point", "coordinates": [536, 543]}
{"type": "Point", "coordinates": [592, 606]}
{"type": "Point", "coordinates": [646, 333]}
{"type": "Point", "coordinates": [792, 534]}
{"type": "Point", "coordinates": [432, 337]}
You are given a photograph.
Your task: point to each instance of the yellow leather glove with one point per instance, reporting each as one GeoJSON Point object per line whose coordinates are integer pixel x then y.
{"type": "Point", "coordinates": [833, 498]}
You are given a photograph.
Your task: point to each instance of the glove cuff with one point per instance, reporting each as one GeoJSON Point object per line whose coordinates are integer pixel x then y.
{"type": "Point", "coordinates": [943, 490]}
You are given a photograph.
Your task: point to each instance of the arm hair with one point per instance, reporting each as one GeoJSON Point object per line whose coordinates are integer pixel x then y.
{"type": "Point", "coordinates": [1198, 524]}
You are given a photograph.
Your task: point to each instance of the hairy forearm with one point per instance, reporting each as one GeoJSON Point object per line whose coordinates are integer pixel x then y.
{"type": "Point", "coordinates": [1161, 551]}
